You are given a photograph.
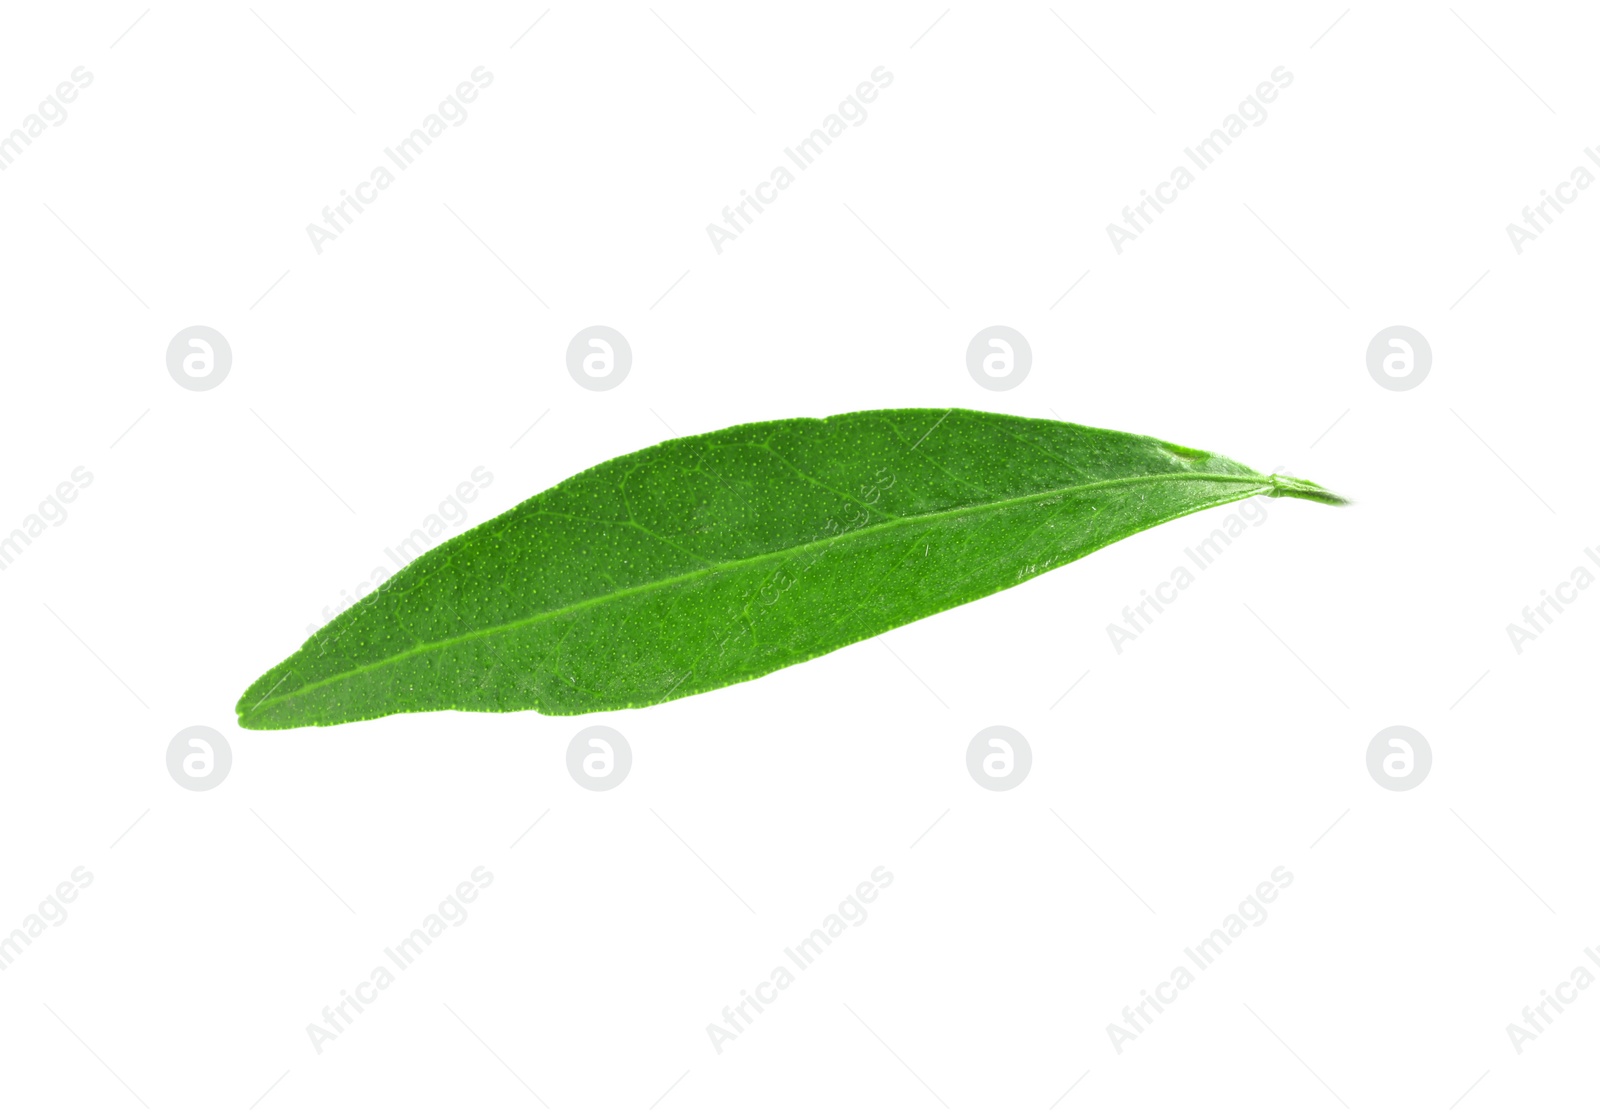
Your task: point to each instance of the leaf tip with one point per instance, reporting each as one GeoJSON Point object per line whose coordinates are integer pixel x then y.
{"type": "Point", "coordinates": [242, 711]}
{"type": "Point", "coordinates": [1283, 486]}
{"type": "Point", "coordinates": [248, 710]}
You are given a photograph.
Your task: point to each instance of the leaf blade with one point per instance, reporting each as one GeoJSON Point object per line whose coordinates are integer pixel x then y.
{"type": "Point", "coordinates": [718, 558]}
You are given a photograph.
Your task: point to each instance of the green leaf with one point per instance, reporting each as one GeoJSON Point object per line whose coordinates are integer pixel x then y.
{"type": "Point", "coordinates": [718, 558]}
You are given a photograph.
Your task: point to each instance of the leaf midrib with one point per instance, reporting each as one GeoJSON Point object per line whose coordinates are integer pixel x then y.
{"type": "Point", "coordinates": [735, 564]}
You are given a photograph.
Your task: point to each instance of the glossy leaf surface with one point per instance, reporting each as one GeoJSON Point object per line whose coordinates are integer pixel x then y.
{"type": "Point", "coordinates": [714, 559]}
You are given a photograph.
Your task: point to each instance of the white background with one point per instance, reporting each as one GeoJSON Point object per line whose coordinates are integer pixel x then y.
{"type": "Point", "coordinates": [370, 379]}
